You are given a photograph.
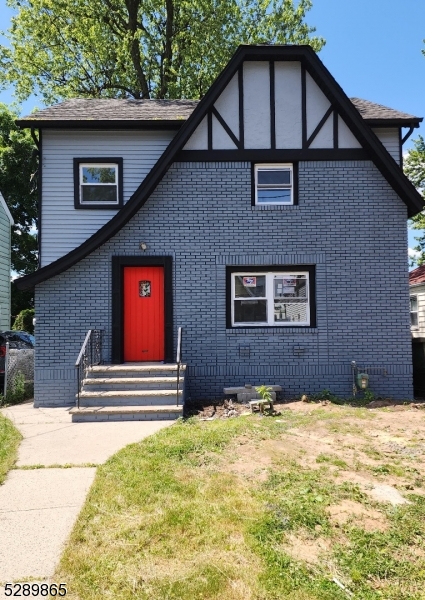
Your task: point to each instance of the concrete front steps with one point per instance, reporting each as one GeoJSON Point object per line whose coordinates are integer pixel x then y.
{"type": "Point", "coordinates": [131, 392]}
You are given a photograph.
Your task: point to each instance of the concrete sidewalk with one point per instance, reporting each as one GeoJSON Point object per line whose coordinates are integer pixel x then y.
{"type": "Point", "coordinates": [38, 507]}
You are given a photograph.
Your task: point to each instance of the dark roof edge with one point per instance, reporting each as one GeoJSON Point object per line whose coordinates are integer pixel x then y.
{"type": "Point", "coordinates": [394, 122]}
{"type": "Point", "coordinates": [385, 163]}
{"type": "Point", "coordinates": [150, 124]}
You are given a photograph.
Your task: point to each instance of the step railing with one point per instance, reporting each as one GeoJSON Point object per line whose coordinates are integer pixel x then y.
{"type": "Point", "coordinates": [178, 360]}
{"type": "Point", "coordinates": [90, 354]}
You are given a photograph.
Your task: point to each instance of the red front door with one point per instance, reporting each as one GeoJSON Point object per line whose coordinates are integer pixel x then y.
{"type": "Point", "coordinates": [143, 314]}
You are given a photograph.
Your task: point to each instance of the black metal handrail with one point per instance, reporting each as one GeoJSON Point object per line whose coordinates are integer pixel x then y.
{"type": "Point", "coordinates": [90, 354]}
{"type": "Point", "coordinates": [178, 360]}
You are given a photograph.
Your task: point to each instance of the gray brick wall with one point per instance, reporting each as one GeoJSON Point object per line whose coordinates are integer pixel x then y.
{"type": "Point", "coordinates": [349, 223]}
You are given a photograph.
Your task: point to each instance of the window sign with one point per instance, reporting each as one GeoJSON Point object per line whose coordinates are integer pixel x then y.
{"type": "Point", "coordinates": [250, 281]}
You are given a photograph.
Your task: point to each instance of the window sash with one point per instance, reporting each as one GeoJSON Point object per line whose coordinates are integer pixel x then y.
{"type": "Point", "coordinates": [268, 188]}
{"type": "Point", "coordinates": [413, 311]}
{"type": "Point", "coordinates": [87, 185]}
{"type": "Point", "coordinates": [290, 306]}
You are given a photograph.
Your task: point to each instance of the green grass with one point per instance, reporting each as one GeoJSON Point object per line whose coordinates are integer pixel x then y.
{"type": "Point", "coordinates": [171, 518]}
{"type": "Point", "coordinates": [9, 442]}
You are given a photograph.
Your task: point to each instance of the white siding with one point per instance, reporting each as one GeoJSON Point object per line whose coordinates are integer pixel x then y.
{"type": "Point", "coordinates": [419, 292]}
{"type": "Point", "coordinates": [4, 270]}
{"type": "Point", "coordinates": [390, 139]}
{"type": "Point", "coordinates": [256, 108]}
{"type": "Point", "coordinates": [288, 113]}
{"type": "Point", "coordinates": [64, 228]}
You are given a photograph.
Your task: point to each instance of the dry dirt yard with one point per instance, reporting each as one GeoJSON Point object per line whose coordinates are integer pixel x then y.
{"type": "Point", "coordinates": [316, 501]}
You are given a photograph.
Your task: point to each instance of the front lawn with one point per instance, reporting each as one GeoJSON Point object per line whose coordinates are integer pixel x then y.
{"type": "Point", "coordinates": [259, 508]}
{"type": "Point", "coordinates": [9, 442]}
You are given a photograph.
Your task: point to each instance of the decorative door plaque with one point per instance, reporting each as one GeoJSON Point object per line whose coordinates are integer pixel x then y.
{"type": "Point", "coordinates": [144, 289]}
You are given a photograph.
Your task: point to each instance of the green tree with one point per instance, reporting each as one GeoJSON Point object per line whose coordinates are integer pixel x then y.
{"type": "Point", "coordinates": [138, 48]}
{"type": "Point", "coordinates": [24, 320]}
{"type": "Point", "coordinates": [414, 167]}
{"type": "Point", "coordinates": [18, 184]}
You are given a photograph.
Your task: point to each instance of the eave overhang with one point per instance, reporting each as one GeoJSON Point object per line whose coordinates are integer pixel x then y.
{"type": "Point", "coordinates": [151, 124]}
{"type": "Point", "coordinates": [306, 55]}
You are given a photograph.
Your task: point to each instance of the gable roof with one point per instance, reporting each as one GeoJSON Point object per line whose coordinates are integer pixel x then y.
{"type": "Point", "coordinates": [306, 55]}
{"type": "Point", "coordinates": [417, 276]}
{"type": "Point", "coordinates": [103, 112]}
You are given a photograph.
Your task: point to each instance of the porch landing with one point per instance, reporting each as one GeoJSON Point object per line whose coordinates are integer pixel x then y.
{"type": "Point", "coordinates": [131, 392]}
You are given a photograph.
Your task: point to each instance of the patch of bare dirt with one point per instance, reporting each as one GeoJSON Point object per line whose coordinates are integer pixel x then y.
{"type": "Point", "coordinates": [349, 511]}
{"type": "Point", "coordinates": [307, 549]}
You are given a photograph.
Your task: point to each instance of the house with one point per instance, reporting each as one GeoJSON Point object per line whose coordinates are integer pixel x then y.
{"type": "Point", "coordinates": [417, 325]}
{"type": "Point", "coordinates": [6, 221]}
{"type": "Point", "coordinates": [268, 221]}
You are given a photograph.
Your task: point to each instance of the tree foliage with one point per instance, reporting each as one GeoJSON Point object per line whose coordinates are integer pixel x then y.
{"type": "Point", "coordinates": [414, 167]}
{"type": "Point", "coordinates": [24, 321]}
{"type": "Point", "coordinates": [18, 184]}
{"type": "Point", "coordinates": [138, 48]}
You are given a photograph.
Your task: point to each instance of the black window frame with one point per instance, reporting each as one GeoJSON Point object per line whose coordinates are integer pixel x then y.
{"type": "Point", "coordinates": [311, 269]}
{"type": "Point", "coordinates": [295, 176]}
{"type": "Point", "coordinates": [98, 161]}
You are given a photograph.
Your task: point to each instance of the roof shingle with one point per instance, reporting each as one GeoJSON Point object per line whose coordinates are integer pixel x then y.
{"type": "Point", "coordinates": [417, 275]}
{"type": "Point", "coordinates": [110, 109]}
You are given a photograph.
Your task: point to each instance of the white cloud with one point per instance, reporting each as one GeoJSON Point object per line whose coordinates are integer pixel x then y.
{"type": "Point", "coordinates": [413, 253]}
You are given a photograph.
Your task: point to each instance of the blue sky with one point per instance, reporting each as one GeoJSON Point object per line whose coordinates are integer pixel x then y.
{"type": "Point", "coordinates": [373, 49]}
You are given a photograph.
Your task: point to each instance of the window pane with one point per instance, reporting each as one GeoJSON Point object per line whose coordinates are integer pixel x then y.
{"type": "Point", "coordinates": [294, 312]}
{"type": "Point", "coordinates": [413, 303]}
{"type": "Point", "coordinates": [274, 177]}
{"type": "Point", "coordinates": [290, 287]}
{"type": "Point", "coordinates": [99, 174]}
{"type": "Point", "coordinates": [99, 193]}
{"type": "Point", "coordinates": [250, 286]}
{"type": "Point", "coordinates": [414, 319]}
{"type": "Point", "coordinates": [250, 311]}
{"type": "Point", "coordinates": [274, 195]}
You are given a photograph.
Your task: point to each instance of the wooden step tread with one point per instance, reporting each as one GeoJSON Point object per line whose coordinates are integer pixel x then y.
{"type": "Point", "coordinates": [113, 410]}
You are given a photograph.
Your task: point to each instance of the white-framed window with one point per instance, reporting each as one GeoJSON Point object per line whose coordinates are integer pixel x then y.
{"type": "Point", "coordinates": [274, 184]}
{"type": "Point", "coordinates": [98, 182]}
{"type": "Point", "coordinates": [413, 311]}
{"type": "Point", "coordinates": [271, 299]}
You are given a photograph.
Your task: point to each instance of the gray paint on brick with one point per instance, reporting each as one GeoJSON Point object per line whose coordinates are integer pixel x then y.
{"type": "Point", "coordinates": [349, 223]}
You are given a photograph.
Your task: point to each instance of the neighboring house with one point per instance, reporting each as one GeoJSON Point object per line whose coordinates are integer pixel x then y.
{"type": "Point", "coordinates": [6, 222]}
{"type": "Point", "coordinates": [268, 220]}
{"type": "Point", "coordinates": [417, 324]}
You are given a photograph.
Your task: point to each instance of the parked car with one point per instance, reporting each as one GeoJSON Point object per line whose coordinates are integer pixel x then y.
{"type": "Point", "coordinates": [17, 339]}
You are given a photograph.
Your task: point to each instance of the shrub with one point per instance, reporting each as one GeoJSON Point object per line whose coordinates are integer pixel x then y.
{"type": "Point", "coordinates": [24, 321]}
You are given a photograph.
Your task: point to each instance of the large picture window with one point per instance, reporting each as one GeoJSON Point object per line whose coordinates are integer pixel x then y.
{"type": "Point", "coordinates": [275, 298]}
{"type": "Point", "coordinates": [274, 184]}
{"type": "Point", "coordinates": [98, 182]}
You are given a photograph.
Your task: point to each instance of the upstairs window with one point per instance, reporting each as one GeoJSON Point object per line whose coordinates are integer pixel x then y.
{"type": "Point", "coordinates": [98, 183]}
{"type": "Point", "coordinates": [274, 184]}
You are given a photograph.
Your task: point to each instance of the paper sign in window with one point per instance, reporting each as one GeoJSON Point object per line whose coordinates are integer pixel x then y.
{"type": "Point", "coordinates": [250, 281]}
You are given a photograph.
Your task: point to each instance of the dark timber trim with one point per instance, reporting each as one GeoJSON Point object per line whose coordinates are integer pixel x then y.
{"type": "Point", "coordinates": [266, 269]}
{"type": "Point", "coordinates": [98, 160]}
{"type": "Point", "coordinates": [320, 125]}
{"type": "Point", "coordinates": [209, 125]}
{"type": "Point", "coordinates": [272, 107]}
{"type": "Point", "coordinates": [226, 127]}
{"type": "Point", "coordinates": [336, 96]}
{"type": "Point", "coordinates": [336, 132]}
{"type": "Point", "coordinates": [241, 92]}
{"type": "Point", "coordinates": [272, 155]}
{"type": "Point", "coordinates": [304, 105]}
{"type": "Point", "coordinates": [118, 264]}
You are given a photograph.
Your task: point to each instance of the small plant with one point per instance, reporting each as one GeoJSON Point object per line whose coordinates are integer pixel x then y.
{"type": "Point", "coordinates": [368, 396]}
{"type": "Point", "coordinates": [265, 392]}
{"type": "Point", "coordinates": [18, 391]}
